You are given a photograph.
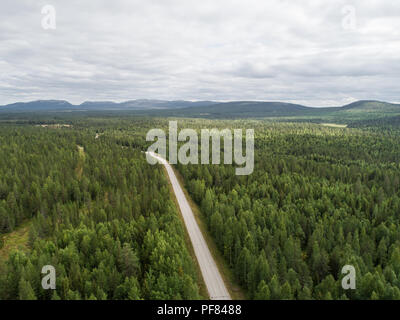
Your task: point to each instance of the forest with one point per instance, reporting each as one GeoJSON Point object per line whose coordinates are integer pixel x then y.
{"type": "Point", "coordinates": [96, 211]}
{"type": "Point", "coordinates": [319, 198]}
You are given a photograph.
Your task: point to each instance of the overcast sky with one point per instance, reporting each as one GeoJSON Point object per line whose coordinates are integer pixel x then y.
{"type": "Point", "coordinates": [303, 51]}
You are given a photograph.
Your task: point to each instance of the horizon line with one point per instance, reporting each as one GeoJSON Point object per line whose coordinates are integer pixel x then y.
{"type": "Point", "coordinates": [195, 100]}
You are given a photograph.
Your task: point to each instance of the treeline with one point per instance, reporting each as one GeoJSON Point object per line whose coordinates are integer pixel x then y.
{"type": "Point", "coordinates": [101, 216]}
{"type": "Point", "coordinates": [388, 123]}
{"type": "Point", "coordinates": [319, 199]}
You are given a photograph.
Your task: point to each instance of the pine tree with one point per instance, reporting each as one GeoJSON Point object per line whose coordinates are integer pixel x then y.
{"type": "Point", "coordinates": [25, 291]}
{"type": "Point", "coordinates": [262, 291]}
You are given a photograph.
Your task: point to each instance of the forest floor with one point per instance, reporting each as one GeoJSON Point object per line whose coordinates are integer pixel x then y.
{"type": "Point", "coordinates": [16, 240]}
{"type": "Point", "coordinates": [235, 291]}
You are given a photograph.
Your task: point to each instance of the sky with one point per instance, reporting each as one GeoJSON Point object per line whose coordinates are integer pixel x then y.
{"type": "Point", "coordinates": [317, 53]}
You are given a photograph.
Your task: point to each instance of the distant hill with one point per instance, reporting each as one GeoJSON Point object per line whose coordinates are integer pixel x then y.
{"type": "Point", "coordinates": [143, 104]}
{"type": "Point", "coordinates": [357, 111]}
{"type": "Point", "coordinates": [247, 109]}
{"type": "Point", "coordinates": [40, 105]}
{"type": "Point", "coordinates": [366, 110]}
{"type": "Point", "coordinates": [64, 106]}
{"type": "Point", "coordinates": [371, 106]}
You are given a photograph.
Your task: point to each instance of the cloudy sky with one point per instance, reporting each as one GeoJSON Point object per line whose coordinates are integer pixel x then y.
{"type": "Point", "coordinates": [319, 53]}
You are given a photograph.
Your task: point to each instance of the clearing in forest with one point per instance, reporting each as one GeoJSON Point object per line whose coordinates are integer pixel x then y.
{"type": "Point", "coordinates": [16, 240]}
{"type": "Point", "coordinates": [79, 167]}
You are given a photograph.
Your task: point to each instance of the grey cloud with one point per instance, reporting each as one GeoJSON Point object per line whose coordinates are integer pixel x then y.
{"type": "Point", "coordinates": [227, 50]}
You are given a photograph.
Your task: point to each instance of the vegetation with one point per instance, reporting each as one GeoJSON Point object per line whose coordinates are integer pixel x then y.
{"type": "Point", "coordinates": [355, 112]}
{"type": "Point", "coordinates": [83, 199]}
{"type": "Point", "coordinates": [104, 219]}
{"type": "Point", "coordinates": [320, 198]}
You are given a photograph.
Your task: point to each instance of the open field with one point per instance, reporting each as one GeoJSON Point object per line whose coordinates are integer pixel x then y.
{"type": "Point", "coordinates": [334, 125]}
{"type": "Point", "coordinates": [15, 240]}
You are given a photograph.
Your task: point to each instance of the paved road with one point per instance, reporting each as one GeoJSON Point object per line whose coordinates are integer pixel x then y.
{"type": "Point", "coordinates": [212, 278]}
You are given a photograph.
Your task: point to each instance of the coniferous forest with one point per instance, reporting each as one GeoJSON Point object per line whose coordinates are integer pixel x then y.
{"type": "Point", "coordinates": [81, 197]}
{"type": "Point", "coordinates": [96, 211]}
{"type": "Point", "coordinates": [319, 199]}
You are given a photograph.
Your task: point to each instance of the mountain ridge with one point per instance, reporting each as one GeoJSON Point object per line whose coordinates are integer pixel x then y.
{"type": "Point", "coordinates": [138, 104]}
{"type": "Point", "coordinates": [355, 111]}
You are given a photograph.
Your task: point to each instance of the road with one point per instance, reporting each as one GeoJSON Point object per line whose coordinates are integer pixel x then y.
{"type": "Point", "coordinates": [215, 285]}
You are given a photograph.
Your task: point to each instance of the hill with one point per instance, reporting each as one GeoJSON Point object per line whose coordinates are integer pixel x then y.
{"type": "Point", "coordinates": [366, 110]}
{"type": "Point", "coordinates": [39, 105]}
{"type": "Point", "coordinates": [371, 105]}
{"type": "Point", "coordinates": [357, 111]}
{"type": "Point", "coordinates": [64, 106]}
{"type": "Point", "coordinates": [246, 109]}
